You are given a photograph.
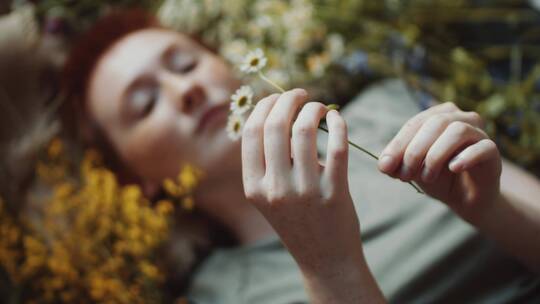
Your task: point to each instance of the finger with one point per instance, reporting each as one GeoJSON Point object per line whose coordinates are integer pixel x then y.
{"type": "Point", "coordinates": [253, 164]}
{"type": "Point", "coordinates": [428, 133]}
{"type": "Point", "coordinates": [335, 170]}
{"type": "Point", "coordinates": [473, 155]}
{"type": "Point", "coordinates": [391, 156]}
{"type": "Point", "coordinates": [304, 144]}
{"type": "Point", "coordinates": [277, 129]}
{"type": "Point", "coordinates": [456, 136]}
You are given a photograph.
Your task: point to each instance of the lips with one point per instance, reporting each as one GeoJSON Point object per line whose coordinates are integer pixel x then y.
{"type": "Point", "coordinates": [211, 114]}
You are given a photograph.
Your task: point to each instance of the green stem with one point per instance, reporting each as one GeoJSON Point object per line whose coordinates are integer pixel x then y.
{"type": "Point", "coordinates": [373, 156]}
{"type": "Point", "coordinates": [269, 81]}
{"type": "Point", "coordinates": [264, 78]}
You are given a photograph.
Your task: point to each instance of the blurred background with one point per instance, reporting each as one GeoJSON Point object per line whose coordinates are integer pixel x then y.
{"type": "Point", "coordinates": [481, 54]}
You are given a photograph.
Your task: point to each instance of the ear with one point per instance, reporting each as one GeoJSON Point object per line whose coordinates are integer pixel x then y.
{"type": "Point", "coordinates": [150, 189]}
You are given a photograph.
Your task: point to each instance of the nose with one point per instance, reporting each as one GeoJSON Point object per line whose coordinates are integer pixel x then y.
{"type": "Point", "coordinates": [184, 93]}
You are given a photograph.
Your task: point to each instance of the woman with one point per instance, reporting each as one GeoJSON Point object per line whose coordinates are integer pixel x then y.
{"type": "Point", "coordinates": [157, 99]}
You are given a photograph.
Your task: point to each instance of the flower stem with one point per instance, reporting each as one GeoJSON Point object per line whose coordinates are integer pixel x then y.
{"type": "Point", "coordinates": [354, 145]}
{"type": "Point", "coordinates": [269, 81]}
{"type": "Point", "coordinates": [264, 78]}
{"type": "Point", "coordinates": [373, 156]}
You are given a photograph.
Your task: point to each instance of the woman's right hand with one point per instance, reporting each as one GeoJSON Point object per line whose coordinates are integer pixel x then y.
{"type": "Point", "coordinates": [308, 204]}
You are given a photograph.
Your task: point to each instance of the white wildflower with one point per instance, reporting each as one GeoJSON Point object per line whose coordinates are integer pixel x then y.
{"type": "Point", "coordinates": [233, 51]}
{"type": "Point", "coordinates": [254, 61]}
{"type": "Point", "coordinates": [185, 15]}
{"type": "Point", "coordinates": [235, 126]}
{"type": "Point", "coordinates": [242, 100]}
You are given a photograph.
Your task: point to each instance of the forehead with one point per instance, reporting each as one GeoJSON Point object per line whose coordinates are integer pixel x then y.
{"type": "Point", "coordinates": [135, 54]}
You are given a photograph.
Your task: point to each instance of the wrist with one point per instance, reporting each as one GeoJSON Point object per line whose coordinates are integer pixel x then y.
{"type": "Point", "coordinates": [332, 265]}
{"type": "Point", "coordinates": [347, 281]}
{"type": "Point", "coordinates": [482, 215]}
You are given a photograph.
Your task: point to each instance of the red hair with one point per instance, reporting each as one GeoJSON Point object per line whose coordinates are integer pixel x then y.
{"type": "Point", "coordinates": [84, 56]}
{"type": "Point", "coordinates": [93, 44]}
{"type": "Point", "coordinates": [82, 60]}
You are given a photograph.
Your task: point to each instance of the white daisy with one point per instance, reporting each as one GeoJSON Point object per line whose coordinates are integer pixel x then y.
{"type": "Point", "coordinates": [235, 126]}
{"type": "Point", "coordinates": [254, 61]}
{"type": "Point", "coordinates": [242, 100]}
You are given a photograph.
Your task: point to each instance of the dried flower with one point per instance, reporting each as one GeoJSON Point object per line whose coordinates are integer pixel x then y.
{"type": "Point", "coordinates": [242, 100]}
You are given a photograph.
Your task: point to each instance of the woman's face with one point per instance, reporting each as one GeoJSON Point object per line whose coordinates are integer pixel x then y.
{"type": "Point", "coordinates": [163, 101]}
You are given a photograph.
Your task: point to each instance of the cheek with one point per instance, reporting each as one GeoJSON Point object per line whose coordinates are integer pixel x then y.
{"type": "Point", "coordinates": [217, 73]}
{"type": "Point", "coordinates": [155, 149]}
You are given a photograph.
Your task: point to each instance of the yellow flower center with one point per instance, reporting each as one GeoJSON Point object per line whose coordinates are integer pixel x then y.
{"type": "Point", "coordinates": [242, 101]}
{"type": "Point", "coordinates": [236, 127]}
{"type": "Point", "coordinates": [254, 62]}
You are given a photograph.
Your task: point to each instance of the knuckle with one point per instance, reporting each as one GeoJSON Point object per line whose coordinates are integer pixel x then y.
{"type": "Point", "coordinates": [411, 123]}
{"type": "Point", "coordinates": [339, 152]}
{"type": "Point", "coordinates": [314, 106]}
{"type": "Point", "coordinates": [459, 128]}
{"type": "Point", "coordinates": [276, 197]}
{"type": "Point", "coordinates": [431, 161]}
{"type": "Point", "coordinates": [490, 145]}
{"type": "Point", "coordinates": [476, 118]}
{"type": "Point", "coordinates": [252, 194]}
{"type": "Point", "coordinates": [396, 145]}
{"type": "Point", "coordinates": [440, 120]}
{"type": "Point", "coordinates": [307, 191]}
{"type": "Point", "coordinates": [295, 94]}
{"type": "Point", "coordinates": [268, 100]}
{"type": "Point", "coordinates": [449, 106]}
{"type": "Point", "coordinates": [411, 157]}
{"type": "Point", "coordinates": [302, 129]}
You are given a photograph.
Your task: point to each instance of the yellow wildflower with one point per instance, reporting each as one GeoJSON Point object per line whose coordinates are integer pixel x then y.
{"type": "Point", "coordinates": [164, 207]}
{"type": "Point", "coordinates": [55, 148]}
{"type": "Point", "coordinates": [188, 203]}
{"type": "Point", "coordinates": [189, 177]}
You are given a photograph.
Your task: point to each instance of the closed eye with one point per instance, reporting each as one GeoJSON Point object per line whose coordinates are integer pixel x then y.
{"type": "Point", "coordinates": [179, 61]}
{"type": "Point", "coordinates": [142, 99]}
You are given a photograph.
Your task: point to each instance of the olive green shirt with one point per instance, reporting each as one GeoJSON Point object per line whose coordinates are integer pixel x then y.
{"type": "Point", "coordinates": [418, 250]}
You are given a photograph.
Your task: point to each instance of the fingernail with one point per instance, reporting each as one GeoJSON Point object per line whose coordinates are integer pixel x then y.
{"type": "Point", "coordinates": [428, 176]}
{"type": "Point", "coordinates": [386, 163]}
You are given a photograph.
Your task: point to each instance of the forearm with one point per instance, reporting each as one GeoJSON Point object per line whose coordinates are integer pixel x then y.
{"type": "Point", "coordinates": [514, 219]}
{"type": "Point", "coordinates": [344, 281]}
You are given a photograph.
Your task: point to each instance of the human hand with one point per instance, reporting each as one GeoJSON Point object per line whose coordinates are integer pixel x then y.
{"type": "Point", "coordinates": [451, 158]}
{"type": "Point", "coordinates": [308, 204]}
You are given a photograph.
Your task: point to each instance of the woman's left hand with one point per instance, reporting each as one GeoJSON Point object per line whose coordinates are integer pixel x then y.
{"type": "Point", "coordinates": [451, 158]}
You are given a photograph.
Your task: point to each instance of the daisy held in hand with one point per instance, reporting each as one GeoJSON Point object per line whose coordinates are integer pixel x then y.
{"type": "Point", "coordinates": [254, 62]}
{"type": "Point", "coordinates": [242, 100]}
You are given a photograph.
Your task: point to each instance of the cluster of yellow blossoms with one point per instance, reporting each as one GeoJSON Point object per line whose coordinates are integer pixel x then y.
{"type": "Point", "coordinates": [90, 239]}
